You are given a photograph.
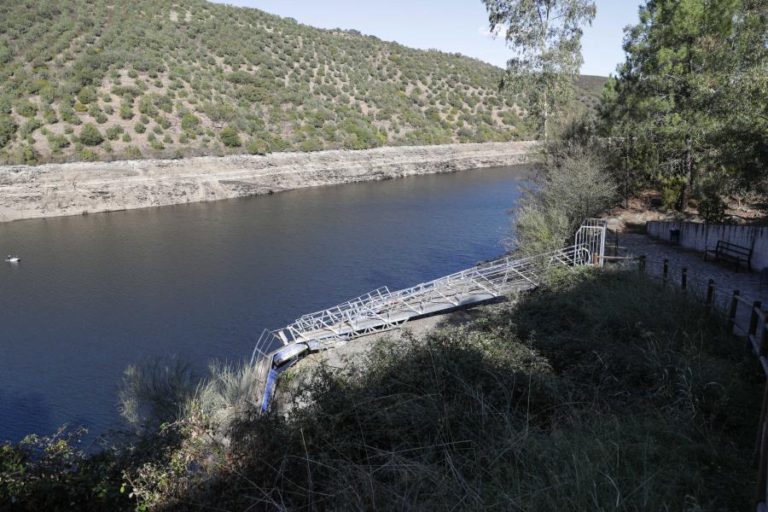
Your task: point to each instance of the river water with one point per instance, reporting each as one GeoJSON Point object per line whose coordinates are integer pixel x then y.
{"type": "Point", "coordinates": [96, 293]}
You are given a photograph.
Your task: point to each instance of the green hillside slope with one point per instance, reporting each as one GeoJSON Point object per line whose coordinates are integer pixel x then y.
{"type": "Point", "coordinates": [92, 80]}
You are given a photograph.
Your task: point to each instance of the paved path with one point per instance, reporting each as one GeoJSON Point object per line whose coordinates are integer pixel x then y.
{"type": "Point", "coordinates": [699, 271]}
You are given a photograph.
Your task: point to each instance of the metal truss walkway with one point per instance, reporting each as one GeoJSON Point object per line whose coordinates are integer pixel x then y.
{"type": "Point", "coordinates": [383, 309]}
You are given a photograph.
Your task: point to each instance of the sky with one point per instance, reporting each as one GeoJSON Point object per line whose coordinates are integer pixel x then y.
{"type": "Point", "coordinates": [451, 25]}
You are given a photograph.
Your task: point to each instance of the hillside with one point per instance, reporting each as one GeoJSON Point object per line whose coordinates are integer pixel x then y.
{"type": "Point", "coordinates": [101, 80]}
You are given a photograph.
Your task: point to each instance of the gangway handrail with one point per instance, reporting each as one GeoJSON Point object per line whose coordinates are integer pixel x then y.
{"type": "Point", "coordinates": [382, 309]}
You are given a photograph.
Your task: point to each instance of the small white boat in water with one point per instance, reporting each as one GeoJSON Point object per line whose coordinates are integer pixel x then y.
{"type": "Point", "coordinates": [12, 259]}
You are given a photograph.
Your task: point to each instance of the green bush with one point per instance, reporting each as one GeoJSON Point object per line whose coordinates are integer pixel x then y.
{"type": "Point", "coordinates": [230, 137]}
{"type": "Point", "coordinates": [88, 155]}
{"type": "Point", "coordinates": [133, 152]}
{"type": "Point", "coordinates": [29, 155]}
{"type": "Point", "coordinates": [26, 108]}
{"type": "Point", "coordinates": [50, 116]}
{"type": "Point", "coordinates": [7, 130]}
{"type": "Point", "coordinates": [90, 135]}
{"type": "Point", "coordinates": [87, 95]}
{"type": "Point", "coordinates": [258, 147]}
{"type": "Point", "coordinates": [189, 122]}
{"type": "Point", "coordinates": [712, 206]}
{"type": "Point", "coordinates": [140, 128]}
{"type": "Point", "coordinates": [52, 473]}
{"type": "Point", "coordinates": [126, 110]}
{"type": "Point", "coordinates": [114, 132]}
{"type": "Point", "coordinates": [29, 127]}
{"type": "Point", "coordinates": [57, 142]}
{"type": "Point", "coordinates": [571, 186]}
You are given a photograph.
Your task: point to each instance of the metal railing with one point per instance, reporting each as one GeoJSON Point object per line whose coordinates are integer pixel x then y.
{"type": "Point", "coordinates": [383, 309]}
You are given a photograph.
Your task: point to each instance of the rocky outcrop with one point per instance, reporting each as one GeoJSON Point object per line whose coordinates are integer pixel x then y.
{"type": "Point", "coordinates": [89, 187]}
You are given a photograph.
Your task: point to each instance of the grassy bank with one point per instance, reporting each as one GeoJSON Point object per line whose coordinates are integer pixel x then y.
{"type": "Point", "coordinates": [600, 391]}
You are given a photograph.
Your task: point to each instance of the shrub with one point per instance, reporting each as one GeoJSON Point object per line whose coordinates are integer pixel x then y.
{"type": "Point", "coordinates": [53, 473]}
{"type": "Point", "coordinates": [258, 147]}
{"type": "Point", "coordinates": [230, 137]}
{"type": "Point", "coordinates": [114, 132]}
{"type": "Point", "coordinates": [712, 206]}
{"type": "Point", "coordinates": [87, 95]}
{"type": "Point", "coordinates": [140, 128]}
{"type": "Point", "coordinates": [133, 152]}
{"type": "Point", "coordinates": [88, 155]}
{"type": "Point", "coordinates": [90, 135]}
{"type": "Point", "coordinates": [29, 127]}
{"type": "Point", "coordinates": [156, 392]}
{"type": "Point", "coordinates": [50, 116]}
{"type": "Point", "coordinates": [126, 110]}
{"type": "Point", "coordinates": [7, 130]}
{"type": "Point", "coordinates": [57, 142]}
{"type": "Point", "coordinates": [26, 108]}
{"type": "Point", "coordinates": [146, 106]}
{"type": "Point", "coordinates": [572, 186]}
{"type": "Point", "coordinates": [29, 154]}
{"type": "Point", "coordinates": [189, 122]}
{"type": "Point", "coordinates": [67, 114]}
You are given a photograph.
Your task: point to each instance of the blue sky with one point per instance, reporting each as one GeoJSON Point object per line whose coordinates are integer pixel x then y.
{"type": "Point", "coordinates": [451, 25]}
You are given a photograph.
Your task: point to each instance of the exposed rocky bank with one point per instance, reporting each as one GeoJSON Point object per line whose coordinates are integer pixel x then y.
{"type": "Point", "coordinates": [90, 187]}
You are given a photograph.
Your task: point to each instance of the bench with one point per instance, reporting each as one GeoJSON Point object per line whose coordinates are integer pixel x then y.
{"type": "Point", "coordinates": [733, 253]}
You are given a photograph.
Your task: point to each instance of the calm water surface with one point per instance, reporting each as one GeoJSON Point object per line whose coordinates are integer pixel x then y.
{"type": "Point", "coordinates": [95, 294]}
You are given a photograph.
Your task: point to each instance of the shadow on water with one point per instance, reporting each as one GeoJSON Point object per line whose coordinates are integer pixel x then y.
{"type": "Point", "coordinates": [19, 411]}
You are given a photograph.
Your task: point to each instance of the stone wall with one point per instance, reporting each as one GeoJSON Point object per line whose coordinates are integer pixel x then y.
{"type": "Point", "coordinates": [700, 237]}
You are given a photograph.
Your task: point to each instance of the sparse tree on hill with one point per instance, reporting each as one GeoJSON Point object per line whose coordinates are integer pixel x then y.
{"type": "Point", "coordinates": [545, 36]}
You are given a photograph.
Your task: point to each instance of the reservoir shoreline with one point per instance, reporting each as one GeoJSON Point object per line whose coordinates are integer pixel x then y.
{"type": "Point", "coordinates": [56, 190]}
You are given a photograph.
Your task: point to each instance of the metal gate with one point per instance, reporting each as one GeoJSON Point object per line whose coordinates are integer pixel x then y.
{"type": "Point", "coordinates": [591, 236]}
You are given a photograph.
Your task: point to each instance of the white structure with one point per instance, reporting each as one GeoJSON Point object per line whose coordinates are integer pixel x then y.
{"type": "Point", "coordinates": [383, 309]}
{"type": "Point", "coordinates": [701, 237]}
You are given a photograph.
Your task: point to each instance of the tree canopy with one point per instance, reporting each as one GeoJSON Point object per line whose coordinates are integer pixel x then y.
{"type": "Point", "coordinates": [545, 38]}
{"type": "Point", "coordinates": [688, 105]}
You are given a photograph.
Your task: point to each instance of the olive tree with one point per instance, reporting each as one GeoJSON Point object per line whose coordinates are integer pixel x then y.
{"type": "Point", "coordinates": [545, 37]}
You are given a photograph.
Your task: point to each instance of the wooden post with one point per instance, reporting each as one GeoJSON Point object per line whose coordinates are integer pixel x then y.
{"type": "Point", "coordinates": [763, 351]}
{"type": "Point", "coordinates": [760, 451]}
{"type": "Point", "coordinates": [732, 309]}
{"type": "Point", "coordinates": [710, 293]}
{"type": "Point", "coordinates": [641, 264]}
{"type": "Point", "coordinates": [684, 279]}
{"type": "Point", "coordinates": [666, 270]}
{"type": "Point", "coordinates": [753, 319]}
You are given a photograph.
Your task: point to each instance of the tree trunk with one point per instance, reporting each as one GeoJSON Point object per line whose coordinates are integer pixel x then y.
{"type": "Point", "coordinates": [689, 175]}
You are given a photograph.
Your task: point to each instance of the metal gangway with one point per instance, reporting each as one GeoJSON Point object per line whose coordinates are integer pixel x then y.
{"type": "Point", "coordinates": [382, 309]}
